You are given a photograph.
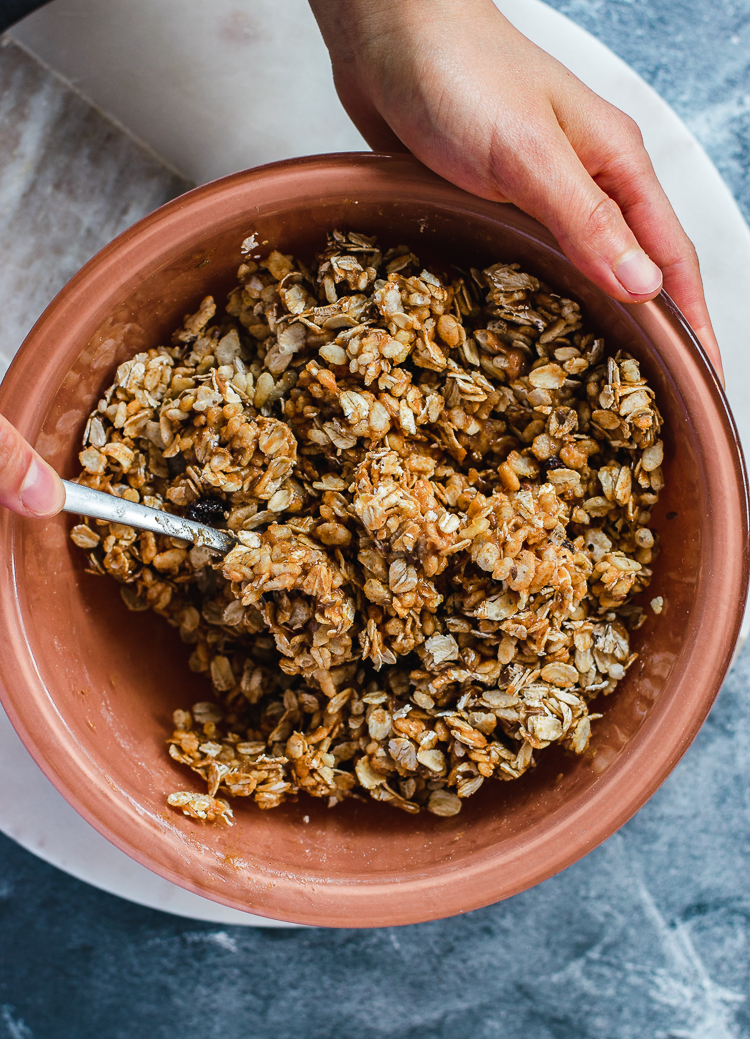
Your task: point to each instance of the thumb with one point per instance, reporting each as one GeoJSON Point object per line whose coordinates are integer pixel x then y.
{"type": "Point", "coordinates": [588, 224]}
{"type": "Point", "coordinates": [28, 485]}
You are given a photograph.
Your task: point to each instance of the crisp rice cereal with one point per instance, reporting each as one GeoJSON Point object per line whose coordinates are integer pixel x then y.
{"type": "Point", "coordinates": [442, 492]}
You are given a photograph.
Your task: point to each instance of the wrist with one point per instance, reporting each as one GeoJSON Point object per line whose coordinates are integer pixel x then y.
{"type": "Point", "coordinates": [353, 29]}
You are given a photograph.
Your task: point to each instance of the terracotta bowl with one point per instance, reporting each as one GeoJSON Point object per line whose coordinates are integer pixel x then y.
{"type": "Point", "coordinates": [90, 687]}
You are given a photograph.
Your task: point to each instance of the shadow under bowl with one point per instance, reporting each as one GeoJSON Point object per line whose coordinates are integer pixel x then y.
{"type": "Point", "coordinates": [90, 687]}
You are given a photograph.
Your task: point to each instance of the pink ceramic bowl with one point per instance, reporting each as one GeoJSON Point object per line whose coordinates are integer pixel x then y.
{"type": "Point", "coordinates": [90, 687]}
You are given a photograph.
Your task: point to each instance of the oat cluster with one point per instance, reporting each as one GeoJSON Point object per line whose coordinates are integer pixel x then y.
{"type": "Point", "coordinates": [441, 489]}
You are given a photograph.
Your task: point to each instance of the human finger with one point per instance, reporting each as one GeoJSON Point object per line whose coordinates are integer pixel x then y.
{"type": "Point", "coordinates": [28, 485]}
{"type": "Point", "coordinates": [548, 181]}
{"type": "Point", "coordinates": [629, 178]}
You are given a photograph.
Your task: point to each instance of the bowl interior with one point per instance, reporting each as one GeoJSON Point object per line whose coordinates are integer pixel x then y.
{"type": "Point", "coordinates": [91, 685]}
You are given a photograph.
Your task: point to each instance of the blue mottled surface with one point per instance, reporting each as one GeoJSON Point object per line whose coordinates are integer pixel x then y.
{"type": "Point", "coordinates": [646, 938]}
{"type": "Point", "coordinates": [696, 54]}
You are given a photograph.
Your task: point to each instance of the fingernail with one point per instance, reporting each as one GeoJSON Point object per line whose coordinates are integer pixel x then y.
{"type": "Point", "coordinates": [638, 275]}
{"type": "Point", "coordinates": [40, 490]}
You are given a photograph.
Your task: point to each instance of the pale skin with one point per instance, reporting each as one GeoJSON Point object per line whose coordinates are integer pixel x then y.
{"type": "Point", "coordinates": [455, 84]}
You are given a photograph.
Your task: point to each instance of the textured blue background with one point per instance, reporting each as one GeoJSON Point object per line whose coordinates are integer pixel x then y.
{"type": "Point", "coordinates": [646, 938]}
{"type": "Point", "coordinates": [696, 53]}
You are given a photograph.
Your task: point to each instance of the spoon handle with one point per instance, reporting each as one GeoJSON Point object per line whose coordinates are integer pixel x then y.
{"type": "Point", "coordinates": [98, 505]}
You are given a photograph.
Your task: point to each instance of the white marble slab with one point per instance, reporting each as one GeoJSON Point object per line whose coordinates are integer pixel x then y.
{"type": "Point", "coordinates": [69, 182]}
{"type": "Point", "coordinates": [212, 87]}
{"type": "Point", "coordinates": [218, 87]}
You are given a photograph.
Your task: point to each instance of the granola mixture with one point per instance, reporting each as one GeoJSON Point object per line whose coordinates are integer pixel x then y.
{"type": "Point", "coordinates": [442, 491]}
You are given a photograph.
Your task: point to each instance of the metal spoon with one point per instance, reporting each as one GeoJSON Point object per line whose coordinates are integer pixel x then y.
{"type": "Point", "coordinates": [99, 505]}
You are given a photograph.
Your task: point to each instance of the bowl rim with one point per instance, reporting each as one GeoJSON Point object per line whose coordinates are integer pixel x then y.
{"type": "Point", "coordinates": [368, 903]}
